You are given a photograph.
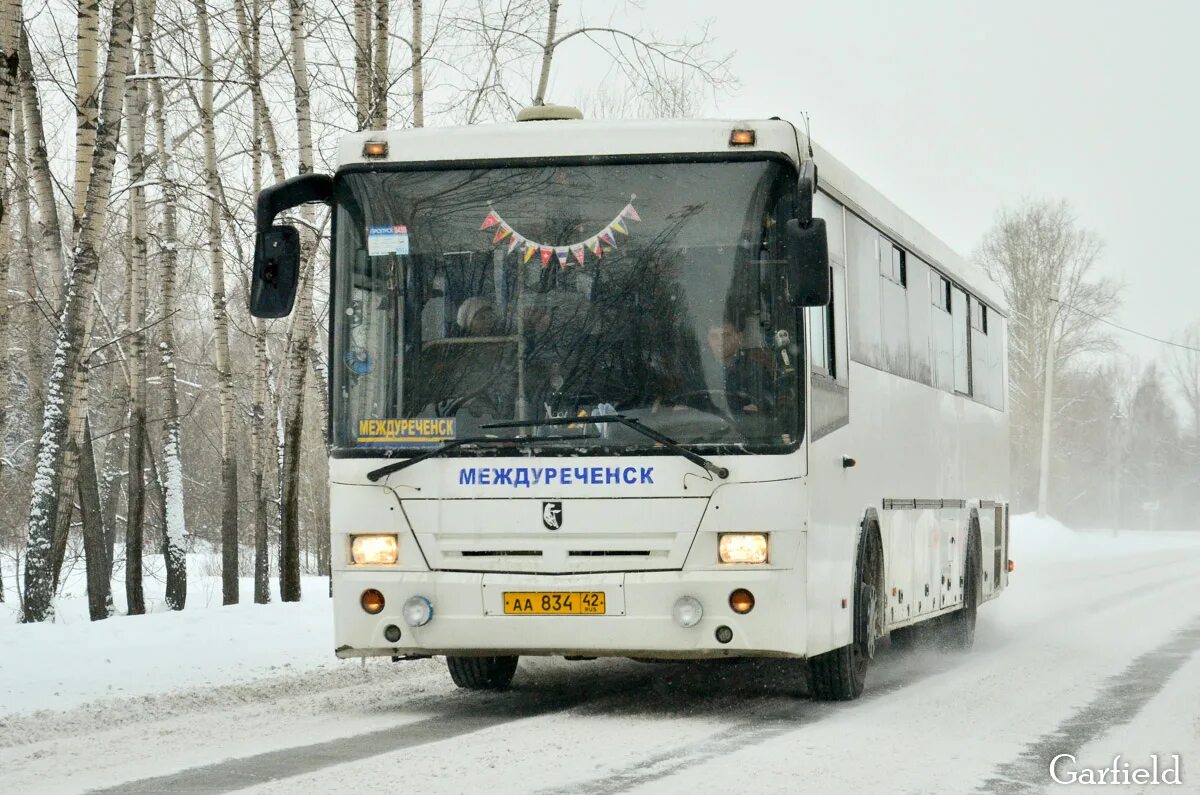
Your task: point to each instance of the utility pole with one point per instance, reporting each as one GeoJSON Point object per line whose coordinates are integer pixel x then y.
{"type": "Point", "coordinates": [1047, 412]}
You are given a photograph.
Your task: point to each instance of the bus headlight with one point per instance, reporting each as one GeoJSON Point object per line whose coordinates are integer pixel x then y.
{"type": "Point", "coordinates": [378, 548]}
{"type": "Point", "coordinates": [742, 547]}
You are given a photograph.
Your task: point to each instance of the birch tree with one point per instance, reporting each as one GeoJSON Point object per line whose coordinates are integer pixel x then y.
{"type": "Point", "coordinates": [10, 75]}
{"type": "Point", "coordinates": [78, 296]}
{"type": "Point", "coordinates": [379, 67]}
{"type": "Point", "coordinates": [300, 334]}
{"type": "Point", "coordinates": [229, 468]}
{"type": "Point", "coordinates": [86, 99]}
{"type": "Point", "coordinates": [418, 64]}
{"type": "Point", "coordinates": [174, 523]}
{"type": "Point", "coordinates": [262, 137]}
{"type": "Point", "coordinates": [1045, 264]}
{"type": "Point", "coordinates": [135, 490]}
{"type": "Point", "coordinates": [51, 248]}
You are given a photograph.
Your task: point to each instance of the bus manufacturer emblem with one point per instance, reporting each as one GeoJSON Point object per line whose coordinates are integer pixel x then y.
{"type": "Point", "coordinates": [552, 515]}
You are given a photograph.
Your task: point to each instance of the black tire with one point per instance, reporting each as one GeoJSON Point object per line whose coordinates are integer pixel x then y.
{"type": "Point", "coordinates": [959, 630]}
{"type": "Point", "coordinates": [482, 673]}
{"type": "Point", "coordinates": [841, 674]}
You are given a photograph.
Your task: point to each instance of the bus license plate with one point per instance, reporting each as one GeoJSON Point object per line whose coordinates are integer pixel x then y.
{"type": "Point", "coordinates": [553, 603]}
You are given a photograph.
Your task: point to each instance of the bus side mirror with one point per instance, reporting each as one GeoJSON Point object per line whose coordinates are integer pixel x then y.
{"type": "Point", "coordinates": [277, 248]}
{"type": "Point", "coordinates": [276, 272]}
{"type": "Point", "coordinates": [808, 262]}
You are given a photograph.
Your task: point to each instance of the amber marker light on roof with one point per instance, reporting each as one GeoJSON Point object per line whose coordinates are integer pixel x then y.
{"type": "Point", "coordinates": [375, 149]}
{"type": "Point", "coordinates": [741, 138]}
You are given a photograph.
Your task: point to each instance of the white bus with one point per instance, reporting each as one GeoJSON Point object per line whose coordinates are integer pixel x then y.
{"type": "Point", "coordinates": [656, 389]}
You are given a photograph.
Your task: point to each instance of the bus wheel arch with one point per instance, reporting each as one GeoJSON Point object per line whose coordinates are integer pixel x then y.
{"type": "Point", "coordinates": [840, 674]}
{"type": "Point", "coordinates": [960, 626]}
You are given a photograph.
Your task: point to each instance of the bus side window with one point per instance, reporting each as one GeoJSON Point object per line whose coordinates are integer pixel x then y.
{"type": "Point", "coordinates": [941, 332]}
{"type": "Point", "coordinates": [960, 312]}
{"type": "Point", "coordinates": [826, 351]}
{"type": "Point", "coordinates": [827, 331]}
{"type": "Point", "coordinates": [862, 273]}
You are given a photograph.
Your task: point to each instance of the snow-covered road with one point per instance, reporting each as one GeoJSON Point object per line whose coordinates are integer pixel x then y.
{"type": "Point", "coordinates": [1094, 651]}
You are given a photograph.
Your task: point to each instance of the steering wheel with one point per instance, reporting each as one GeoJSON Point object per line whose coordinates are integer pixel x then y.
{"type": "Point", "coordinates": [703, 400]}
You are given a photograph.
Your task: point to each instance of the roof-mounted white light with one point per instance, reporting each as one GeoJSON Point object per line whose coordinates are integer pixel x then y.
{"type": "Point", "coordinates": [549, 113]}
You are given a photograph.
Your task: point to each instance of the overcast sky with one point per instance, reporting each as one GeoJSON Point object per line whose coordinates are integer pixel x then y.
{"type": "Point", "coordinates": [953, 109]}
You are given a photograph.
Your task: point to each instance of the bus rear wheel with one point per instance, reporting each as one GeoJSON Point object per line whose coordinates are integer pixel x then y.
{"type": "Point", "coordinates": [959, 630]}
{"type": "Point", "coordinates": [841, 674]}
{"type": "Point", "coordinates": [482, 673]}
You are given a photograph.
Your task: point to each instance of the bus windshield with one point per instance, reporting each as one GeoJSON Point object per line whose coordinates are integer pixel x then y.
{"type": "Point", "coordinates": [469, 296]}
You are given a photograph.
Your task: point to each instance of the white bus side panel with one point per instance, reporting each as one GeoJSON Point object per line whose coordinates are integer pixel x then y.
{"type": "Point", "coordinates": [910, 442]}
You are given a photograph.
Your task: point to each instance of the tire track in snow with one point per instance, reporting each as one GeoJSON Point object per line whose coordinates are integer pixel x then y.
{"type": "Point", "coordinates": [467, 716]}
{"type": "Point", "coordinates": [528, 702]}
{"type": "Point", "coordinates": [1118, 700]}
{"type": "Point", "coordinates": [759, 726]}
{"type": "Point", "coordinates": [781, 721]}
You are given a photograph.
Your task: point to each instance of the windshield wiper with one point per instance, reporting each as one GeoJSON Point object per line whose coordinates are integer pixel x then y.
{"type": "Point", "coordinates": [474, 441]}
{"type": "Point", "coordinates": [620, 419]}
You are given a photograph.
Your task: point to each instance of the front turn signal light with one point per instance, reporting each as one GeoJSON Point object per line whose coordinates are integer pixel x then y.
{"type": "Point", "coordinates": [372, 601]}
{"type": "Point", "coordinates": [377, 549]}
{"type": "Point", "coordinates": [741, 601]}
{"type": "Point", "coordinates": [742, 547]}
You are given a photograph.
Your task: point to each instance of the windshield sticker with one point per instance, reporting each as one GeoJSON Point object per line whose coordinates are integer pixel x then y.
{"type": "Point", "coordinates": [417, 431]}
{"type": "Point", "coordinates": [386, 240]}
{"type": "Point", "coordinates": [602, 242]}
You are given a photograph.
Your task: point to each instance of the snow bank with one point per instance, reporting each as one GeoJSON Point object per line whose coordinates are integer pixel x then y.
{"type": "Point", "coordinates": [73, 660]}
{"type": "Point", "coordinates": [1039, 539]}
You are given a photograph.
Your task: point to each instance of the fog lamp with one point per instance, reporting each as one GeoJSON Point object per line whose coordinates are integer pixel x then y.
{"type": "Point", "coordinates": [417, 611]}
{"type": "Point", "coordinates": [371, 601]}
{"type": "Point", "coordinates": [377, 548]}
{"type": "Point", "coordinates": [687, 611]}
{"type": "Point", "coordinates": [742, 547]}
{"type": "Point", "coordinates": [741, 601]}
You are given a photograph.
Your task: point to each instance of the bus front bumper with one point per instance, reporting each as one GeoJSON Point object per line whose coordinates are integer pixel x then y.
{"type": "Point", "coordinates": [468, 615]}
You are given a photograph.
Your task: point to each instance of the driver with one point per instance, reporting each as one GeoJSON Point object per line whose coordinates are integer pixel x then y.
{"type": "Point", "coordinates": [747, 371]}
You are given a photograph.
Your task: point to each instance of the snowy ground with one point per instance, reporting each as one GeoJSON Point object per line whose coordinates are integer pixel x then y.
{"type": "Point", "coordinates": [1094, 651]}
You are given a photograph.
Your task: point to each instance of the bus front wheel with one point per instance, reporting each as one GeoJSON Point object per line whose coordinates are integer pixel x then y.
{"type": "Point", "coordinates": [482, 673]}
{"type": "Point", "coordinates": [841, 674]}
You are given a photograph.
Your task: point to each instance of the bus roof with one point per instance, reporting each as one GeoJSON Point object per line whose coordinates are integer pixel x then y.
{"type": "Point", "coordinates": [585, 138]}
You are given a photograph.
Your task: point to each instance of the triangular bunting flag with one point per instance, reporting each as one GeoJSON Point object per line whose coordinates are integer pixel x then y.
{"type": "Point", "coordinates": [620, 227]}
{"type": "Point", "coordinates": [561, 252]}
{"type": "Point", "coordinates": [607, 237]}
{"type": "Point", "coordinates": [577, 251]}
{"type": "Point", "coordinates": [547, 253]}
{"type": "Point", "coordinates": [529, 252]}
{"type": "Point", "coordinates": [630, 213]}
{"type": "Point", "coordinates": [593, 245]}
{"type": "Point", "coordinates": [501, 233]}
{"type": "Point", "coordinates": [516, 241]}
{"type": "Point", "coordinates": [491, 220]}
